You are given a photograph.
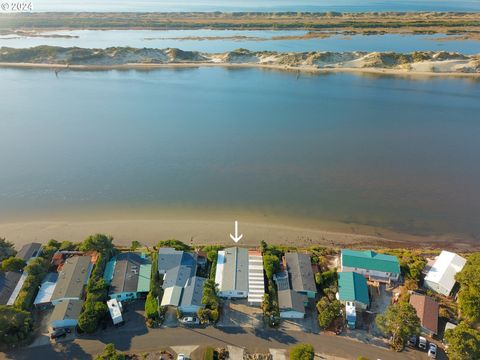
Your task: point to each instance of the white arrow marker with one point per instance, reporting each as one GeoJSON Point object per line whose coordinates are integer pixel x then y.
{"type": "Point", "coordinates": [237, 237]}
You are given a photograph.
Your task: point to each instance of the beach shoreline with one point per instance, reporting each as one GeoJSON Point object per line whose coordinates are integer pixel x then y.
{"type": "Point", "coordinates": [286, 68]}
{"type": "Point", "coordinates": [209, 229]}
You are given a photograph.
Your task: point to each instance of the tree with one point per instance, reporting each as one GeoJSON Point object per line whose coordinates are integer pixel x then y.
{"type": "Point", "coordinates": [302, 352]}
{"type": "Point", "coordinates": [271, 264]}
{"type": "Point", "coordinates": [135, 245]}
{"type": "Point", "coordinates": [13, 264]}
{"type": "Point", "coordinates": [463, 343]}
{"type": "Point", "coordinates": [400, 322]}
{"type": "Point", "coordinates": [110, 353]}
{"type": "Point", "coordinates": [67, 246]}
{"type": "Point", "coordinates": [176, 244]}
{"type": "Point", "coordinates": [15, 325]}
{"type": "Point", "coordinates": [99, 242]}
{"type": "Point", "coordinates": [469, 295]}
{"type": "Point", "coordinates": [328, 311]}
{"type": "Point", "coordinates": [91, 316]}
{"type": "Point", "coordinates": [6, 249]}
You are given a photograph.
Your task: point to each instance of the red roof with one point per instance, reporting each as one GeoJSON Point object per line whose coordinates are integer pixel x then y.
{"type": "Point", "coordinates": [427, 311]}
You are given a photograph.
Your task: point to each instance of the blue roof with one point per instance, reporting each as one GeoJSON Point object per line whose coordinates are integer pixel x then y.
{"type": "Point", "coordinates": [370, 260]}
{"type": "Point", "coordinates": [352, 287]}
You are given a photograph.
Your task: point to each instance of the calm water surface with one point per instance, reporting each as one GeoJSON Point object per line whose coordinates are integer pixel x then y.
{"type": "Point", "coordinates": [378, 150]}
{"type": "Point", "coordinates": [255, 41]}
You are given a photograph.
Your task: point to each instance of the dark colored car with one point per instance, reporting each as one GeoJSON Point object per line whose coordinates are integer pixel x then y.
{"type": "Point", "coordinates": [412, 342]}
{"type": "Point", "coordinates": [58, 333]}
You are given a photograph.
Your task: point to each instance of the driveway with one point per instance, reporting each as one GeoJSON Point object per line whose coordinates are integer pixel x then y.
{"type": "Point", "coordinates": [237, 313]}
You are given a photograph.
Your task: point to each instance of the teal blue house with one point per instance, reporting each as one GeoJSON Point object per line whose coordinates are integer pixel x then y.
{"type": "Point", "coordinates": [353, 287]}
{"type": "Point", "coordinates": [373, 266]}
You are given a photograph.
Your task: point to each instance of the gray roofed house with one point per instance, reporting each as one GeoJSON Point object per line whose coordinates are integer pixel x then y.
{"type": "Point", "coordinates": [192, 295]}
{"type": "Point", "coordinates": [168, 258]}
{"type": "Point", "coordinates": [72, 279]}
{"type": "Point", "coordinates": [291, 303]}
{"type": "Point", "coordinates": [29, 251]}
{"type": "Point", "coordinates": [299, 267]}
{"type": "Point", "coordinates": [8, 282]}
{"type": "Point", "coordinates": [66, 314]}
{"type": "Point", "coordinates": [176, 266]}
{"type": "Point", "coordinates": [12, 282]}
{"type": "Point", "coordinates": [126, 275]}
{"type": "Point", "coordinates": [232, 272]}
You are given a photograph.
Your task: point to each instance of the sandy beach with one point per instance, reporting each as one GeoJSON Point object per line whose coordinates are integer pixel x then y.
{"type": "Point", "coordinates": [420, 72]}
{"type": "Point", "coordinates": [209, 229]}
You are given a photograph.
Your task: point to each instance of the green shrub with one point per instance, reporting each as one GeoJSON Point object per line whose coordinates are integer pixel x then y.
{"type": "Point", "coordinates": [209, 354]}
{"type": "Point", "coordinates": [15, 325]}
{"type": "Point", "coordinates": [302, 352]}
{"type": "Point", "coordinates": [151, 307]}
{"type": "Point", "coordinates": [176, 244]}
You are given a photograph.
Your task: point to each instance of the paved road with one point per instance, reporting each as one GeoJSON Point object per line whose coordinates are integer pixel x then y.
{"type": "Point", "coordinates": [143, 339]}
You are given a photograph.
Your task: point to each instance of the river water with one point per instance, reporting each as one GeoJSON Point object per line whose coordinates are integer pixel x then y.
{"type": "Point", "coordinates": [387, 151]}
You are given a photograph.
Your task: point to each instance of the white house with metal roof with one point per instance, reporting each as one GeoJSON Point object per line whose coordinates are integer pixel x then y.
{"type": "Point", "coordinates": [232, 273]}
{"type": "Point", "coordinates": [441, 276]}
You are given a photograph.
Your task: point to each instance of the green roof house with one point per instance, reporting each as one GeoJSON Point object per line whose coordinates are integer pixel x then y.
{"type": "Point", "coordinates": [128, 275]}
{"type": "Point", "coordinates": [353, 287]}
{"type": "Point", "coordinates": [375, 267]}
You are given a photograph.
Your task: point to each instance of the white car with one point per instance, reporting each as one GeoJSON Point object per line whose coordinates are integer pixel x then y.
{"type": "Point", "coordinates": [181, 357]}
{"type": "Point", "coordinates": [422, 343]}
{"type": "Point", "coordinates": [432, 351]}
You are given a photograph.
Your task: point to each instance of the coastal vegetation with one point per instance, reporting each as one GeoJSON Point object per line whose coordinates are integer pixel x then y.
{"type": "Point", "coordinates": [152, 308]}
{"type": "Point", "coordinates": [110, 353]}
{"type": "Point", "coordinates": [16, 326]}
{"type": "Point", "coordinates": [7, 249]}
{"type": "Point", "coordinates": [430, 22]}
{"type": "Point", "coordinates": [210, 313]}
{"type": "Point", "coordinates": [463, 343]}
{"type": "Point", "coordinates": [94, 308]}
{"type": "Point", "coordinates": [271, 264]}
{"type": "Point", "coordinates": [400, 322]}
{"type": "Point", "coordinates": [302, 352]}
{"type": "Point", "coordinates": [469, 294]}
{"type": "Point", "coordinates": [176, 244]}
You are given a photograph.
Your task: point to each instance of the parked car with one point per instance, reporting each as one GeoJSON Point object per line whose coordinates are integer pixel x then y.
{"type": "Point", "coordinates": [181, 357]}
{"type": "Point", "coordinates": [190, 320]}
{"type": "Point", "coordinates": [58, 333]}
{"type": "Point", "coordinates": [432, 351]}
{"type": "Point", "coordinates": [422, 343]}
{"type": "Point", "coordinates": [412, 342]}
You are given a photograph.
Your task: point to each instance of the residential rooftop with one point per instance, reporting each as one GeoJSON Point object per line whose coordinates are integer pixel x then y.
{"type": "Point", "coordinates": [69, 309]}
{"type": "Point", "coordinates": [193, 292]}
{"type": "Point", "coordinates": [427, 311]}
{"type": "Point", "coordinates": [232, 269]}
{"type": "Point", "coordinates": [370, 260]}
{"type": "Point", "coordinates": [72, 277]}
{"type": "Point", "coordinates": [127, 273]}
{"type": "Point", "coordinates": [444, 269]}
{"type": "Point", "coordinates": [299, 267]}
{"type": "Point", "coordinates": [352, 287]}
